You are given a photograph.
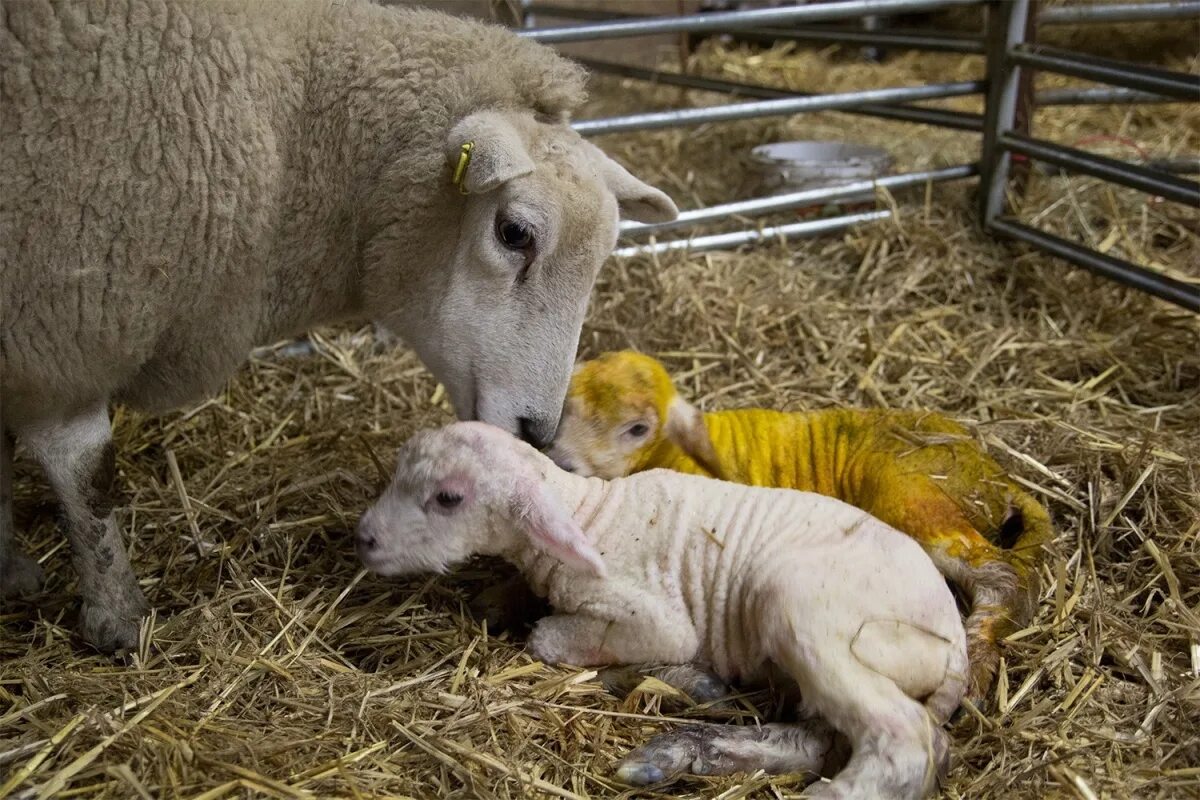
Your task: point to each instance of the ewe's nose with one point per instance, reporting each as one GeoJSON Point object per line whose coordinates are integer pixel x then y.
{"type": "Point", "coordinates": [538, 431]}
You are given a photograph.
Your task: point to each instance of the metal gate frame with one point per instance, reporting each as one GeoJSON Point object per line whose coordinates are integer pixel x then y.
{"type": "Point", "coordinates": [1011, 54]}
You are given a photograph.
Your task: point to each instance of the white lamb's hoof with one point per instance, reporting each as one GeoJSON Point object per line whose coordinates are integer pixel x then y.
{"type": "Point", "coordinates": [701, 687]}
{"type": "Point", "coordinates": [640, 773]}
{"type": "Point", "coordinates": [21, 577]}
{"type": "Point", "coordinates": [823, 790]}
{"type": "Point", "coordinates": [548, 644]}
{"type": "Point", "coordinates": [693, 750]}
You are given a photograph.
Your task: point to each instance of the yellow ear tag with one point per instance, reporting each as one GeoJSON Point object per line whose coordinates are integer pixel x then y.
{"type": "Point", "coordinates": [460, 169]}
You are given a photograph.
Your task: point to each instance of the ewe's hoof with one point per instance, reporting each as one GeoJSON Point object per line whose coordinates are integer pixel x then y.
{"type": "Point", "coordinates": [108, 631]}
{"type": "Point", "coordinates": [21, 577]}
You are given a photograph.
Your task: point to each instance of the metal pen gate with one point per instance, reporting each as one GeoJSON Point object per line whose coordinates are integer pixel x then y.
{"type": "Point", "coordinates": [1009, 49]}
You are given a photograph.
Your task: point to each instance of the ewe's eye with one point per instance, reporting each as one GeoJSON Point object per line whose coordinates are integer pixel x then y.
{"type": "Point", "coordinates": [448, 500]}
{"type": "Point", "coordinates": [514, 235]}
{"type": "Point", "coordinates": [637, 430]}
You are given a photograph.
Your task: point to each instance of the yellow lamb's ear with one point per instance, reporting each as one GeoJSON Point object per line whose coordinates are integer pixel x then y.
{"type": "Point", "coordinates": [686, 430]}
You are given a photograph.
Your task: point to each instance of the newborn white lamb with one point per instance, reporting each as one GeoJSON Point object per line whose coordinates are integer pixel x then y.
{"type": "Point", "coordinates": [664, 567]}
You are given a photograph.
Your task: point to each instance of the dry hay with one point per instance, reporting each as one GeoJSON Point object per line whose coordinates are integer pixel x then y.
{"type": "Point", "coordinates": [276, 669]}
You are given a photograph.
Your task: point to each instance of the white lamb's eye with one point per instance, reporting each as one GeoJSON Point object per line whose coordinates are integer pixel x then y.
{"type": "Point", "coordinates": [448, 500]}
{"type": "Point", "coordinates": [637, 430]}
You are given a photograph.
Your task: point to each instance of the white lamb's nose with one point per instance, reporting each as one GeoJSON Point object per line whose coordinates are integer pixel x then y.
{"type": "Point", "coordinates": [364, 539]}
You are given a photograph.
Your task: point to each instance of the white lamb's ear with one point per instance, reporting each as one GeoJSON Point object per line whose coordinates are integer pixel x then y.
{"type": "Point", "coordinates": [550, 527]}
{"type": "Point", "coordinates": [498, 153]}
{"type": "Point", "coordinates": [637, 200]}
{"type": "Point", "coordinates": [685, 428]}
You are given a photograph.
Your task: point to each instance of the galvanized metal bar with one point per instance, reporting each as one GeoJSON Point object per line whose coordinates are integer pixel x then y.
{"type": "Point", "coordinates": [766, 108]}
{"type": "Point", "coordinates": [1099, 95]}
{"type": "Point", "coordinates": [1146, 180]}
{"type": "Point", "coordinates": [1120, 12]}
{"type": "Point", "coordinates": [1107, 70]}
{"type": "Point", "coordinates": [898, 39]}
{"type": "Point", "coordinates": [1006, 24]}
{"type": "Point", "coordinates": [945, 118]}
{"type": "Point", "coordinates": [1181, 166]}
{"type": "Point", "coordinates": [589, 14]}
{"type": "Point", "coordinates": [1174, 291]}
{"type": "Point", "coordinates": [782, 202]}
{"type": "Point", "coordinates": [871, 34]}
{"type": "Point", "coordinates": [733, 20]}
{"type": "Point", "coordinates": [720, 241]}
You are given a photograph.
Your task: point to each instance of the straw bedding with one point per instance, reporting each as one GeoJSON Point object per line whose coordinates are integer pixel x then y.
{"type": "Point", "coordinates": [275, 669]}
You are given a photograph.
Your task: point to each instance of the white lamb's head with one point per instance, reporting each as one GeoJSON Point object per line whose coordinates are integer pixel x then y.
{"type": "Point", "coordinates": [498, 323]}
{"type": "Point", "coordinates": [466, 489]}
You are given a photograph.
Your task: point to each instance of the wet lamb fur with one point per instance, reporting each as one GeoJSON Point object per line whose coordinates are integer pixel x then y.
{"type": "Point", "coordinates": [672, 568]}
{"type": "Point", "coordinates": [917, 471]}
{"type": "Point", "coordinates": [186, 180]}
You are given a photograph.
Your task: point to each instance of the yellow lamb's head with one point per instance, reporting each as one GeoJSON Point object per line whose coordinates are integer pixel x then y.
{"type": "Point", "coordinates": [622, 415]}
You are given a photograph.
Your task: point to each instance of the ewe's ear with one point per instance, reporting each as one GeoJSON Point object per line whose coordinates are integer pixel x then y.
{"type": "Point", "coordinates": [685, 428]}
{"type": "Point", "coordinates": [637, 200]}
{"type": "Point", "coordinates": [498, 152]}
{"type": "Point", "coordinates": [549, 526]}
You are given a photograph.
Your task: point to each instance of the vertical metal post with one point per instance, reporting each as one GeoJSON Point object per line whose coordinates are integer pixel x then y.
{"type": "Point", "coordinates": [873, 52]}
{"type": "Point", "coordinates": [1004, 29]}
{"type": "Point", "coordinates": [1025, 108]}
{"type": "Point", "coordinates": [527, 20]}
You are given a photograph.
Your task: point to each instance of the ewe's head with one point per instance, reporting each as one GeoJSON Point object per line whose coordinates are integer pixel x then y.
{"type": "Point", "coordinates": [499, 321]}
{"type": "Point", "coordinates": [468, 489]}
{"type": "Point", "coordinates": [622, 413]}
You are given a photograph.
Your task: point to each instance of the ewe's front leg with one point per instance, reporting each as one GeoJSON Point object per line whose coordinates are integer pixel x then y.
{"type": "Point", "coordinates": [77, 455]}
{"type": "Point", "coordinates": [20, 575]}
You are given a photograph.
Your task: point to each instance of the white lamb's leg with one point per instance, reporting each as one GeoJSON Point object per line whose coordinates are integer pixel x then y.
{"type": "Point", "coordinates": [777, 748]}
{"type": "Point", "coordinates": [20, 575]}
{"type": "Point", "coordinates": [587, 641]}
{"type": "Point", "coordinates": [78, 457]}
{"type": "Point", "coordinates": [695, 681]}
{"type": "Point", "coordinates": [898, 750]}
{"type": "Point", "coordinates": [621, 625]}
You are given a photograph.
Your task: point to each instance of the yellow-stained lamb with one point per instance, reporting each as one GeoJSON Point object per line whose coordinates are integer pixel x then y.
{"type": "Point", "coordinates": [917, 471]}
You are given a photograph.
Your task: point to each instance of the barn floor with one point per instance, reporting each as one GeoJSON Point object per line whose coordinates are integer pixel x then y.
{"type": "Point", "coordinates": [274, 668]}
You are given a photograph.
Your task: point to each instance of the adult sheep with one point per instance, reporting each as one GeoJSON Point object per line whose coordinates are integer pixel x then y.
{"type": "Point", "coordinates": [186, 180]}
